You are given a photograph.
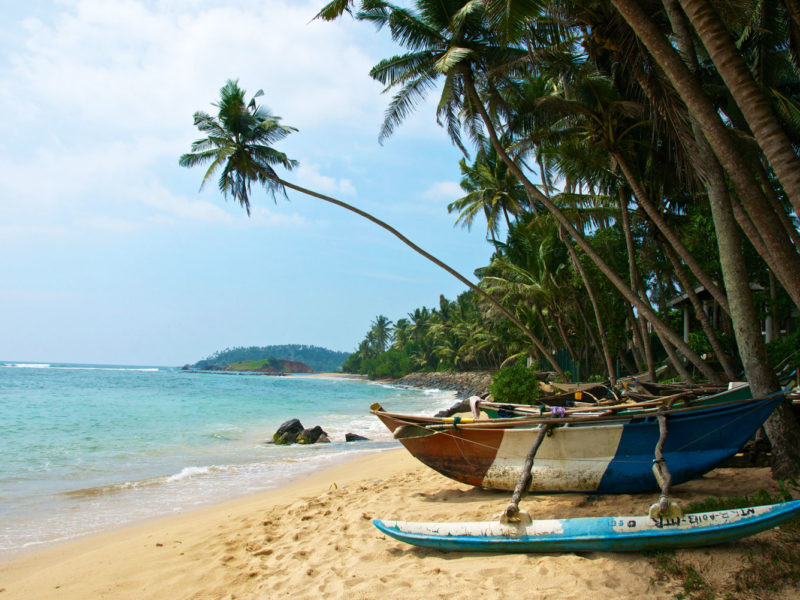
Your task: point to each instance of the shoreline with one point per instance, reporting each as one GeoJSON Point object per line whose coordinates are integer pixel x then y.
{"type": "Point", "coordinates": [313, 537]}
{"type": "Point", "coordinates": [202, 443]}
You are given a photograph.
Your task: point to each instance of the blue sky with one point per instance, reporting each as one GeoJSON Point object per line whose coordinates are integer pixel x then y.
{"type": "Point", "coordinates": [111, 253]}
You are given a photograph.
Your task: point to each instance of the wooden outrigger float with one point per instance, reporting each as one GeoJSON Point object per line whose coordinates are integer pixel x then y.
{"type": "Point", "coordinates": [593, 533]}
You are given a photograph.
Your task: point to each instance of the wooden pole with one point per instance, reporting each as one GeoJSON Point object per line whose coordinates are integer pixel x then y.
{"type": "Point", "coordinates": [524, 480]}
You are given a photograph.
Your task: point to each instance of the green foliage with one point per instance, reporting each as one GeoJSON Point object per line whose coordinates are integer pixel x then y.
{"type": "Point", "coordinates": [319, 359]}
{"type": "Point", "coordinates": [515, 384]}
{"type": "Point", "coordinates": [785, 349]}
{"type": "Point", "coordinates": [271, 363]}
{"type": "Point", "coordinates": [390, 364]}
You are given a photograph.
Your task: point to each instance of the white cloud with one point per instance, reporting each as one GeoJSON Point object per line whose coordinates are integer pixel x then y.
{"type": "Point", "coordinates": [309, 176]}
{"type": "Point", "coordinates": [130, 65]}
{"type": "Point", "coordinates": [263, 216]}
{"type": "Point", "coordinates": [98, 97]}
{"type": "Point", "coordinates": [443, 190]}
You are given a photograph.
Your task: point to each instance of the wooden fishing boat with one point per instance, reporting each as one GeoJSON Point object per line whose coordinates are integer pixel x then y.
{"type": "Point", "coordinates": [592, 454]}
{"type": "Point", "coordinates": [688, 397]}
{"type": "Point", "coordinates": [595, 533]}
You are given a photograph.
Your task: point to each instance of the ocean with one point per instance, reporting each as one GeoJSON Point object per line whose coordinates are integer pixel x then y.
{"type": "Point", "coordinates": [86, 448]}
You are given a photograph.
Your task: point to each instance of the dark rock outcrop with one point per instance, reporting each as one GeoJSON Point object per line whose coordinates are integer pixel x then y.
{"type": "Point", "coordinates": [312, 436]}
{"type": "Point", "coordinates": [354, 437]}
{"type": "Point", "coordinates": [287, 433]}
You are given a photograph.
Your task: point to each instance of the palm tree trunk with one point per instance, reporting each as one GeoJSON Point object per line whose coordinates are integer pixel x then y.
{"type": "Point", "coordinates": [434, 260]}
{"type": "Point", "coordinates": [570, 350]}
{"type": "Point", "coordinates": [546, 328]}
{"type": "Point", "coordinates": [683, 373]}
{"type": "Point", "coordinates": [755, 106]}
{"type": "Point", "coordinates": [644, 201]}
{"type": "Point", "coordinates": [776, 204]}
{"type": "Point", "coordinates": [637, 349]}
{"type": "Point", "coordinates": [579, 239]}
{"type": "Point", "coordinates": [781, 428]}
{"type": "Point", "coordinates": [718, 136]}
{"type": "Point", "coordinates": [701, 316]}
{"type": "Point", "coordinates": [595, 307]}
{"type": "Point", "coordinates": [635, 280]}
{"type": "Point", "coordinates": [594, 342]}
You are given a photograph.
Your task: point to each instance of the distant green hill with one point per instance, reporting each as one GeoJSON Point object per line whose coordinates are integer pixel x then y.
{"type": "Point", "coordinates": [319, 359]}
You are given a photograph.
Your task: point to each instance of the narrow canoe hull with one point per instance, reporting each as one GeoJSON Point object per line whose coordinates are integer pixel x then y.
{"type": "Point", "coordinates": [614, 456]}
{"type": "Point", "coordinates": [594, 534]}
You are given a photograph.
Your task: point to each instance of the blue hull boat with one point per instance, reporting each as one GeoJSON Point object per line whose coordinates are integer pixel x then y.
{"type": "Point", "coordinates": [595, 533]}
{"type": "Point", "coordinates": [606, 454]}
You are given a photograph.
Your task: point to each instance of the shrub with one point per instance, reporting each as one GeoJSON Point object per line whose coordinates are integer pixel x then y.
{"type": "Point", "coordinates": [515, 384]}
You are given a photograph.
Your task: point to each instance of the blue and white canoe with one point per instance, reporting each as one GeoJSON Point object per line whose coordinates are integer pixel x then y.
{"type": "Point", "coordinates": [598, 454]}
{"type": "Point", "coordinates": [594, 533]}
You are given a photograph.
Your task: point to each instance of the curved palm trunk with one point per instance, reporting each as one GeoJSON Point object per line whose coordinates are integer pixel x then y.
{"type": "Point", "coordinates": [570, 350]}
{"type": "Point", "coordinates": [603, 346]}
{"type": "Point", "coordinates": [776, 205]}
{"type": "Point", "coordinates": [633, 274]}
{"type": "Point", "coordinates": [701, 316]}
{"type": "Point", "coordinates": [783, 258]}
{"type": "Point", "coordinates": [644, 201]}
{"type": "Point", "coordinates": [581, 241]}
{"type": "Point", "coordinates": [782, 427]}
{"type": "Point", "coordinates": [755, 106]}
{"type": "Point", "coordinates": [434, 260]}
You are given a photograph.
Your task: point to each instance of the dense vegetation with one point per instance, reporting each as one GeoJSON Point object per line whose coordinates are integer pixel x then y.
{"type": "Point", "coordinates": [625, 154]}
{"type": "Point", "coordinates": [319, 359]}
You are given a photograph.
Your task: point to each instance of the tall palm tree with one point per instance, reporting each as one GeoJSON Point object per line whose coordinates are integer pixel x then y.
{"type": "Point", "coordinates": [492, 190]}
{"type": "Point", "coordinates": [449, 39]}
{"type": "Point", "coordinates": [780, 252]}
{"type": "Point", "coordinates": [754, 104]}
{"type": "Point", "coordinates": [381, 331]}
{"type": "Point", "coordinates": [238, 144]}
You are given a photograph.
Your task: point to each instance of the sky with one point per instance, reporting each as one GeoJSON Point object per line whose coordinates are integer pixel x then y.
{"type": "Point", "coordinates": [110, 251]}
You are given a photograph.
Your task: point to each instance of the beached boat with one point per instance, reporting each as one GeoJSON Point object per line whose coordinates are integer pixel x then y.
{"type": "Point", "coordinates": [594, 533]}
{"type": "Point", "coordinates": [603, 454]}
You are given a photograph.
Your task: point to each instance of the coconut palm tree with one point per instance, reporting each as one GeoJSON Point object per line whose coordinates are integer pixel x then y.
{"type": "Point", "coordinates": [449, 39]}
{"type": "Point", "coordinates": [751, 100]}
{"type": "Point", "coordinates": [381, 331]}
{"type": "Point", "coordinates": [238, 144]}
{"type": "Point", "coordinates": [778, 250]}
{"type": "Point", "coordinates": [492, 190]}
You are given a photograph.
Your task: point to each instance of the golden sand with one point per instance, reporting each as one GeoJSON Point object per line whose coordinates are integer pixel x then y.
{"type": "Point", "coordinates": [314, 539]}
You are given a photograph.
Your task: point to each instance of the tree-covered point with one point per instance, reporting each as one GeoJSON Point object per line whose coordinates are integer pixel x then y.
{"type": "Point", "coordinates": [319, 359]}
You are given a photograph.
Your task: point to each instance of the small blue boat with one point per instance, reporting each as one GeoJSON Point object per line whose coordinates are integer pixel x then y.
{"type": "Point", "coordinates": [594, 533]}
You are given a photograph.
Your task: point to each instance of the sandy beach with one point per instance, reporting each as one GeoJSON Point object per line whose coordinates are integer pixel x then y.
{"type": "Point", "coordinates": [314, 538]}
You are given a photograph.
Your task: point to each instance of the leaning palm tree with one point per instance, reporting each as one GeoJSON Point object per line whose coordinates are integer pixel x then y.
{"type": "Point", "coordinates": [449, 40]}
{"type": "Point", "coordinates": [238, 146]}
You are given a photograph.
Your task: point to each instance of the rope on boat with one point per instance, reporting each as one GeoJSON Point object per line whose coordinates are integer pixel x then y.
{"type": "Point", "coordinates": [664, 507]}
{"type": "Point", "coordinates": [525, 479]}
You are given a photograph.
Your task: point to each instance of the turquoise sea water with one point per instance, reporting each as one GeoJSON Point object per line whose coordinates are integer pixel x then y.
{"type": "Point", "coordinates": [84, 448]}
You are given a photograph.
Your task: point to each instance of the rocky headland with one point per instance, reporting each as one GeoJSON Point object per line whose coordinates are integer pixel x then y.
{"type": "Point", "coordinates": [464, 384]}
